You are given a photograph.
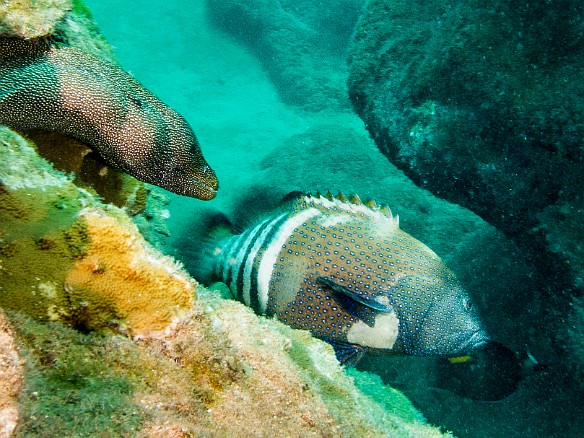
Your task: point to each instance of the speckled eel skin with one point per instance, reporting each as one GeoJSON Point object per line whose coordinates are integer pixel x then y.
{"type": "Point", "coordinates": [69, 91]}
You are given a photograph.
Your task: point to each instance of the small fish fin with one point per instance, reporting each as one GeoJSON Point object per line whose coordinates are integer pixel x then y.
{"type": "Point", "coordinates": [363, 299]}
{"type": "Point", "coordinates": [347, 354]}
{"type": "Point", "coordinates": [371, 203]}
{"type": "Point", "coordinates": [293, 197]}
{"type": "Point", "coordinates": [355, 199]}
{"type": "Point", "coordinates": [261, 201]}
{"type": "Point", "coordinates": [218, 226]}
{"type": "Point", "coordinates": [198, 238]}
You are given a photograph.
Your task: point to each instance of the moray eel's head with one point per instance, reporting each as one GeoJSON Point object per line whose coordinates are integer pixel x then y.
{"type": "Point", "coordinates": [69, 91]}
{"type": "Point", "coordinates": [155, 144]}
{"type": "Point", "coordinates": [183, 169]}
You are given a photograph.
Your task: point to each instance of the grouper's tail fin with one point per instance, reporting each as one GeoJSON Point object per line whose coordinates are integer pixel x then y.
{"type": "Point", "coordinates": [199, 241]}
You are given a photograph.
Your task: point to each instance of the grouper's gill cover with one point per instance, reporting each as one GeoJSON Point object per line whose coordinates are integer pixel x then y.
{"type": "Point", "coordinates": [345, 271]}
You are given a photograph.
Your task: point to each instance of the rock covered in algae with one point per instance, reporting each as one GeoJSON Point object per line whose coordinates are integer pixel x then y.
{"type": "Point", "coordinates": [64, 256]}
{"type": "Point", "coordinates": [481, 103]}
{"type": "Point", "coordinates": [10, 378]}
{"type": "Point", "coordinates": [213, 368]}
{"type": "Point", "coordinates": [221, 371]}
{"type": "Point", "coordinates": [31, 18]}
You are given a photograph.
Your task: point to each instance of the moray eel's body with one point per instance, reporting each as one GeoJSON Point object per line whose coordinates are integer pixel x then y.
{"type": "Point", "coordinates": [68, 91]}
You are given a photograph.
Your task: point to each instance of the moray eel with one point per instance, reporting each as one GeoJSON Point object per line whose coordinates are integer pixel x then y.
{"type": "Point", "coordinates": [344, 270]}
{"type": "Point", "coordinates": [71, 92]}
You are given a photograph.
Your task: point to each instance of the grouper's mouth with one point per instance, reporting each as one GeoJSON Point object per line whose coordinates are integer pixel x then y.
{"type": "Point", "coordinates": [477, 340]}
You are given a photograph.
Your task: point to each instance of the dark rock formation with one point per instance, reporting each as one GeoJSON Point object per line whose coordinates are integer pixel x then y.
{"type": "Point", "coordinates": [482, 104]}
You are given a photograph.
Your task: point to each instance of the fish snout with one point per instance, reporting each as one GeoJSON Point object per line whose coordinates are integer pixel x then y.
{"type": "Point", "coordinates": [198, 182]}
{"type": "Point", "coordinates": [477, 340]}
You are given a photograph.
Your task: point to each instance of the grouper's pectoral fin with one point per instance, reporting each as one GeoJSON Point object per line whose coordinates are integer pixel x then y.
{"type": "Point", "coordinates": [347, 354]}
{"type": "Point", "coordinates": [364, 299]}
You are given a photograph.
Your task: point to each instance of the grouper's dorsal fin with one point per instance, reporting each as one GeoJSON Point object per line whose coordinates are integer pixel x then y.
{"type": "Point", "coordinates": [339, 203]}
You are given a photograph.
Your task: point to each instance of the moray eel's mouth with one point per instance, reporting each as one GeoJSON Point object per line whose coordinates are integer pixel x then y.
{"type": "Point", "coordinates": [203, 184]}
{"type": "Point", "coordinates": [205, 191]}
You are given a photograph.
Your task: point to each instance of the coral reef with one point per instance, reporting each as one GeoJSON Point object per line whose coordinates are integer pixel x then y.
{"type": "Point", "coordinates": [32, 18]}
{"type": "Point", "coordinates": [11, 379]}
{"type": "Point", "coordinates": [120, 272]}
{"type": "Point", "coordinates": [220, 372]}
{"type": "Point", "coordinates": [77, 260]}
{"type": "Point", "coordinates": [301, 44]}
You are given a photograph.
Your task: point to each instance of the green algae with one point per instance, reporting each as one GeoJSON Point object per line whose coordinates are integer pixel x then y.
{"type": "Point", "coordinates": [40, 235]}
{"type": "Point", "coordinates": [73, 385]}
{"type": "Point", "coordinates": [80, 8]}
{"type": "Point", "coordinates": [79, 30]}
{"type": "Point", "coordinates": [392, 400]}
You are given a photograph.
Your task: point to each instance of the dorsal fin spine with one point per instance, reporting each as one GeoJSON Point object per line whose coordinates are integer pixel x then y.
{"type": "Point", "coordinates": [354, 204]}
{"type": "Point", "coordinates": [371, 204]}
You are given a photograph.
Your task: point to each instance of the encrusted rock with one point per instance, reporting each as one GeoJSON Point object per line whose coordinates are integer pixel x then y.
{"type": "Point", "coordinates": [10, 379]}
{"type": "Point", "coordinates": [32, 18]}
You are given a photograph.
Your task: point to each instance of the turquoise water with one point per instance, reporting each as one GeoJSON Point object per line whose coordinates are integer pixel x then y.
{"type": "Point", "coordinates": [252, 138]}
{"type": "Point", "coordinates": [207, 77]}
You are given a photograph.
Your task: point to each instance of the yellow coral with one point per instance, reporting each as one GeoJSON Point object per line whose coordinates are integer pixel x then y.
{"type": "Point", "coordinates": [64, 256]}
{"type": "Point", "coordinates": [121, 278]}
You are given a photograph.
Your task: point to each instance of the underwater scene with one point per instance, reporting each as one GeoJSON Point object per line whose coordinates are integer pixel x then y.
{"type": "Point", "coordinates": [258, 218]}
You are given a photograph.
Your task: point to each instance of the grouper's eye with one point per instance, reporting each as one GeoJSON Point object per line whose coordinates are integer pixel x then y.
{"type": "Point", "coordinates": [467, 303]}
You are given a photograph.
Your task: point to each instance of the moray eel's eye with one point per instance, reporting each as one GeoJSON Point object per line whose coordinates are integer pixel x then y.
{"type": "Point", "coordinates": [467, 303]}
